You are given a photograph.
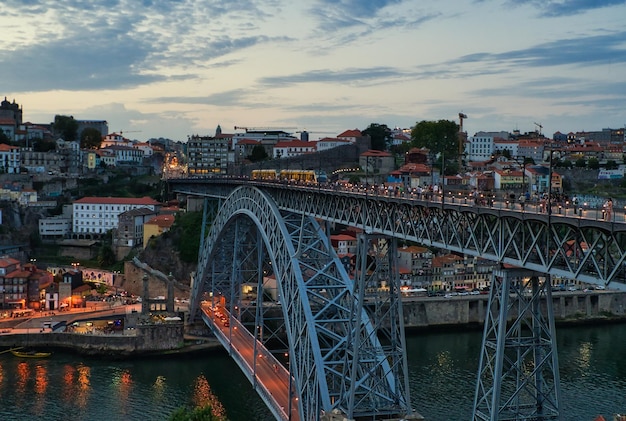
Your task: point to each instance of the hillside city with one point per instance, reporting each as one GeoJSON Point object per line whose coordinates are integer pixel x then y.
{"type": "Point", "coordinates": [57, 179]}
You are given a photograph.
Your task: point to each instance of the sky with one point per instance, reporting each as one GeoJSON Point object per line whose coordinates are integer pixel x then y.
{"type": "Point", "coordinates": [175, 68]}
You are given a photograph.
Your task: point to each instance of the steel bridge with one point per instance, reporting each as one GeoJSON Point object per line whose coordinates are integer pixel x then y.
{"type": "Point", "coordinates": [268, 274]}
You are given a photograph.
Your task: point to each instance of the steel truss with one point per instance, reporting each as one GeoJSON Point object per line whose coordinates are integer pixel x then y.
{"type": "Point", "coordinates": [337, 361]}
{"type": "Point", "coordinates": [518, 376]}
{"type": "Point", "coordinates": [571, 247]}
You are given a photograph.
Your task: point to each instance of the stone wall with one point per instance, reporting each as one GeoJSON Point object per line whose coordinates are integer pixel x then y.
{"type": "Point", "coordinates": [429, 312]}
{"type": "Point", "coordinates": [145, 339]}
{"type": "Point", "coordinates": [132, 281]}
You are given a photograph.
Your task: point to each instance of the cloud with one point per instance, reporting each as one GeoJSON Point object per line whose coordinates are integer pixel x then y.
{"type": "Point", "coordinates": [590, 50]}
{"type": "Point", "coordinates": [115, 44]}
{"type": "Point", "coordinates": [353, 75]}
{"type": "Point", "coordinates": [558, 8]}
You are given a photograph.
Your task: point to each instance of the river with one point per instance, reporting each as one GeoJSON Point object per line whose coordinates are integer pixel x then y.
{"type": "Point", "coordinates": [442, 371]}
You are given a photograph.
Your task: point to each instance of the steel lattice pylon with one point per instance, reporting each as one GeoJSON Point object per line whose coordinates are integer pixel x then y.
{"type": "Point", "coordinates": [322, 315]}
{"type": "Point", "coordinates": [518, 376]}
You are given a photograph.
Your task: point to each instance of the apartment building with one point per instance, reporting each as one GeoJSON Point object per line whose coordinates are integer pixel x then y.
{"type": "Point", "coordinates": [131, 226]}
{"type": "Point", "coordinates": [207, 155]}
{"type": "Point", "coordinates": [9, 159]}
{"type": "Point", "coordinates": [97, 215]}
{"type": "Point", "coordinates": [13, 284]}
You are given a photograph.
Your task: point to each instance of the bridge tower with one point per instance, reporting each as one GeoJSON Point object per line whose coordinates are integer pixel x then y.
{"type": "Point", "coordinates": [518, 373]}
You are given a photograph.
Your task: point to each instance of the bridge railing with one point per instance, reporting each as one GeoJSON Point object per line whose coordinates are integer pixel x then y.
{"type": "Point", "coordinates": [587, 207]}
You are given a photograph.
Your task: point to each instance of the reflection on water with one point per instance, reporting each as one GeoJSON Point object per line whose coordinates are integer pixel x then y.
{"type": "Point", "coordinates": [203, 396]}
{"type": "Point", "coordinates": [442, 377]}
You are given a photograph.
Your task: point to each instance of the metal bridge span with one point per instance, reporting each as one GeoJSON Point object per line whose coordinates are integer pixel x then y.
{"type": "Point", "coordinates": [344, 350]}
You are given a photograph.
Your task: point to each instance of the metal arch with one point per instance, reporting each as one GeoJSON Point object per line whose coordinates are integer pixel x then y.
{"type": "Point", "coordinates": [318, 307]}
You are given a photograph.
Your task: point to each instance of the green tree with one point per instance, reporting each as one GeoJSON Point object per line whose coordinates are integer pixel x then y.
{"type": "Point", "coordinates": [66, 127]}
{"type": "Point", "coordinates": [190, 225]}
{"type": "Point", "coordinates": [106, 256]}
{"type": "Point", "coordinates": [593, 163]}
{"type": "Point", "coordinates": [41, 145]}
{"type": "Point", "coordinates": [4, 138]}
{"type": "Point", "coordinates": [258, 154]}
{"type": "Point", "coordinates": [380, 136]}
{"type": "Point", "coordinates": [440, 137]}
{"type": "Point", "coordinates": [581, 163]}
{"type": "Point", "coordinates": [611, 165]}
{"type": "Point", "coordinates": [90, 138]}
{"type": "Point", "coordinates": [354, 179]}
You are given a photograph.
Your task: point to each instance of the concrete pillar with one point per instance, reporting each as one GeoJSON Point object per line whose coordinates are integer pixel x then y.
{"type": "Point", "coordinates": [170, 293]}
{"type": "Point", "coordinates": [145, 304]}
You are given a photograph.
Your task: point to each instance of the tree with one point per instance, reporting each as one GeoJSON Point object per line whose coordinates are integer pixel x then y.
{"type": "Point", "coordinates": [440, 137]}
{"type": "Point", "coordinates": [90, 138]}
{"type": "Point", "coordinates": [40, 145]}
{"type": "Point", "coordinates": [65, 127]}
{"type": "Point", "coordinates": [593, 163]}
{"type": "Point", "coordinates": [581, 163]}
{"type": "Point", "coordinates": [4, 138]}
{"type": "Point", "coordinates": [611, 165]}
{"type": "Point", "coordinates": [379, 135]}
{"type": "Point", "coordinates": [258, 154]}
{"type": "Point", "coordinates": [106, 256]}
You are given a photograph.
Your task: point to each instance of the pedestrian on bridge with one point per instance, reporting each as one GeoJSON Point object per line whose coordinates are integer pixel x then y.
{"type": "Point", "coordinates": [608, 209]}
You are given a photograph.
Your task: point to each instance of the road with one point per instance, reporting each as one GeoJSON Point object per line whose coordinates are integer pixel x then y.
{"type": "Point", "coordinates": [266, 369]}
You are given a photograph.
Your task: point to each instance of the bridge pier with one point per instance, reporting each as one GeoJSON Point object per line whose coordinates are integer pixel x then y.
{"type": "Point", "coordinates": [518, 374]}
{"type": "Point", "coordinates": [340, 416]}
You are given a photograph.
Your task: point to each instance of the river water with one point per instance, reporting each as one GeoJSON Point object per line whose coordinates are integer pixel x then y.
{"type": "Point", "coordinates": [442, 371]}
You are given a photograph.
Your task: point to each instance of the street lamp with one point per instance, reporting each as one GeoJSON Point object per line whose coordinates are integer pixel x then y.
{"type": "Point", "coordinates": [523, 172]}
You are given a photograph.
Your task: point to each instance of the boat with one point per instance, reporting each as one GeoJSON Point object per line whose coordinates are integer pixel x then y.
{"type": "Point", "coordinates": [30, 354]}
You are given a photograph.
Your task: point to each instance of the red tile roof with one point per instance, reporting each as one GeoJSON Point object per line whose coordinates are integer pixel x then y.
{"type": "Point", "coordinates": [118, 201]}
{"type": "Point", "coordinates": [8, 261]}
{"type": "Point", "coordinates": [7, 148]}
{"type": "Point", "coordinates": [373, 152]}
{"type": "Point", "coordinates": [163, 221]}
{"type": "Point", "coordinates": [351, 133]}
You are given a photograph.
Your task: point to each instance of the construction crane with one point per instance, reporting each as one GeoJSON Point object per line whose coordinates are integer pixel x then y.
{"type": "Point", "coordinates": [540, 127]}
{"type": "Point", "coordinates": [462, 117]}
{"type": "Point", "coordinates": [254, 129]}
{"type": "Point", "coordinates": [129, 131]}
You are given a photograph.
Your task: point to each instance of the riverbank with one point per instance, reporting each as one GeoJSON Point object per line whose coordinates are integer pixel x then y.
{"type": "Point", "coordinates": [421, 314]}
{"type": "Point", "coordinates": [466, 312]}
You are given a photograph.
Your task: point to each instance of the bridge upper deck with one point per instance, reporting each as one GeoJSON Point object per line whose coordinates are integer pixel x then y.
{"type": "Point", "coordinates": [583, 243]}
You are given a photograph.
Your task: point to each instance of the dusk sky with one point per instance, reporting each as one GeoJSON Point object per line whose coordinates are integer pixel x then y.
{"type": "Point", "coordinates": [173, 68]}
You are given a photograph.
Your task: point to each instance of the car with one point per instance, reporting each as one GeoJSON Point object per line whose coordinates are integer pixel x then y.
{"type": "Point", "coordinates": [600, 287]}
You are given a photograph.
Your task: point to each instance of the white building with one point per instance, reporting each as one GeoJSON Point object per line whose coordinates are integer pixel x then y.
{"type": "Point", "coordinates": [479, 148]}
{"type": "Point", "coordinates": [97, 215]}
{"type": "Point", "coordinates": [9, 159]}
{"type": "Point", "coordinates": [291, 148]}
{"type": "Point", "coordinates": [55, 227]}
{"type": "Point", "coordinates": [330, 143]}
{"type": "Point", "coordinates": [125, 154]}
{"type": "Point", "coordinates": [145, 148]}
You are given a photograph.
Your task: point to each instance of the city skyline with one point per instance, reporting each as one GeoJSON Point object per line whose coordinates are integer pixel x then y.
{"type": "Point", "coordinates": [173, 69]}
